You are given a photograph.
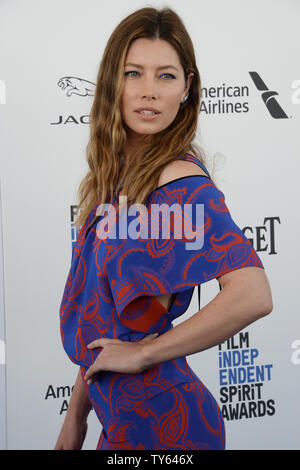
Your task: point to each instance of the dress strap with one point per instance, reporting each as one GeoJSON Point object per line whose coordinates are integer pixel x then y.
{"type": "Point", "coordinates": [191, 158]}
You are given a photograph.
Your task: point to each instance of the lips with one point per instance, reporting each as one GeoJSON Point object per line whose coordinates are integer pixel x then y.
{"type": "Point", "coordinates": [156, 111]}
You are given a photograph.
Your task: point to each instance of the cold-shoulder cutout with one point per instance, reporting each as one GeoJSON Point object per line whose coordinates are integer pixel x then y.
{"type": "Point", "coordinates": [179, 169]}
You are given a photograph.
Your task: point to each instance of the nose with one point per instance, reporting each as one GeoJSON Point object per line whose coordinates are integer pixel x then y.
{"type": "Point", "coordinates": [148, 90]}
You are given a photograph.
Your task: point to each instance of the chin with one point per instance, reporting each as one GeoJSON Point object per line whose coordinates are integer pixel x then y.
{"type": "Point", "coordinates": [140, 132]}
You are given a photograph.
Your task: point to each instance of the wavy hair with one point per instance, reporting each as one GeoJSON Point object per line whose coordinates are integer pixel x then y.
{"type": "Point", "coordinates": [104, 152]}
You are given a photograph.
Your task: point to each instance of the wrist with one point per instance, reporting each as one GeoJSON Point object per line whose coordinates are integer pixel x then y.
{"type": "Point", "coordinates": [147, 355]}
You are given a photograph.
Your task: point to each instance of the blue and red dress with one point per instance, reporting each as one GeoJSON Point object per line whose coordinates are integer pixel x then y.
{"type": "Point", "coordinates": [110, 292]}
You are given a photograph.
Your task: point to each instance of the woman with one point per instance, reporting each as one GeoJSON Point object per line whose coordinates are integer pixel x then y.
{"type": "Point", "coordinates": [122, 293]}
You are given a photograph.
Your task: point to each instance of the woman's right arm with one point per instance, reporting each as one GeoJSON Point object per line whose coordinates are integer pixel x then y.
{"type": "Point", "coordinates": [74, 427]}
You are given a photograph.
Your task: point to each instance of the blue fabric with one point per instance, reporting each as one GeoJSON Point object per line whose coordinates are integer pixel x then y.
{"type": "Point", "coordinates": [110, 292]}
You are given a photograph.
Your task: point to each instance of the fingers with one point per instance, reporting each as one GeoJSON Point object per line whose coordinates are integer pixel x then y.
{"type": "Point", "coordinates": [89, 376]}
{"type": "Point", "coordinates": [95, 344]}
{"type": "Point", "coordinates": [105, 361]}
{"type": "Point", "coordinates": [99, 343]}
{"type": "Point", "coordinates": [93, 370]}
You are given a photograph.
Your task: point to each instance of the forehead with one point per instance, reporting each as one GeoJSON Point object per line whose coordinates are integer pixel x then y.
{"type": "Point", "coordinates": [153, 52]}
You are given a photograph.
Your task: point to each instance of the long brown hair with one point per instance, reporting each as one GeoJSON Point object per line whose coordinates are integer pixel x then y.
{"type": "Point", "coordinates": [107, 129]}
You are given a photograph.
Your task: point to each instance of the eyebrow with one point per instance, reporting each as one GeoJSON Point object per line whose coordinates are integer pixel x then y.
{"type": "Point", "coordinates": [158, 68]}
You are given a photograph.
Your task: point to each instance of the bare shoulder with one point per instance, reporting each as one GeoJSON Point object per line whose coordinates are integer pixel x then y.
{"type": "Point", "coordinates": [179, 169]}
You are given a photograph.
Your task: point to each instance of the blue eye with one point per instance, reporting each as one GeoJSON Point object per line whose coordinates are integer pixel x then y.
{"type": "Point", "coordinates": [169, 75]}
{"type": "Point", "coordinates": [132, 73]}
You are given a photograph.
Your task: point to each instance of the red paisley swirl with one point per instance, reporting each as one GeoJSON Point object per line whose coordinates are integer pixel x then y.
{"type": "Point", "coordinates": [79, 278]}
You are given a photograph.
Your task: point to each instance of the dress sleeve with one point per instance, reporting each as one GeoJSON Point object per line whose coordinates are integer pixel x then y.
{"type": "Point", "coordinates": [203, 243]}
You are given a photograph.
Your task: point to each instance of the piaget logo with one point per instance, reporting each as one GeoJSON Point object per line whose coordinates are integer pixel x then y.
{"type": "Point", "coordinates": [262, 237]}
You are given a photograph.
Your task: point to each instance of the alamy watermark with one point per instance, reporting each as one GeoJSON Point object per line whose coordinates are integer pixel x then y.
{"type": "Point", "coordinates": [182, 227]}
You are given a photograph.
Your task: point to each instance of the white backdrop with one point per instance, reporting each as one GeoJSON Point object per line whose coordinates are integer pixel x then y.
{"type": "Point", "coordinates": [255, 136]}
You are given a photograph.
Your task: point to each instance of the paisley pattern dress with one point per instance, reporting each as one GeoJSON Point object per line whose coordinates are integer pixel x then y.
{"type": "Point", "coordinates": [110, 292]}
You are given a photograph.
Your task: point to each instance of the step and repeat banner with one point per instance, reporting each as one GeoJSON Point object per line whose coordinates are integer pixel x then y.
{"type": "Point", "coordinates": [248, 58]}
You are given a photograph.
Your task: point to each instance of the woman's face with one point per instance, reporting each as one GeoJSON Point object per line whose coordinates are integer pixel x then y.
{"type": "Point", "coordinates": [153, 78]}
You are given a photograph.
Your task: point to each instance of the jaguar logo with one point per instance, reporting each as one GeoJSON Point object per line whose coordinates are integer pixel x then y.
{"type": "Point", "coordinates": [76, 86]}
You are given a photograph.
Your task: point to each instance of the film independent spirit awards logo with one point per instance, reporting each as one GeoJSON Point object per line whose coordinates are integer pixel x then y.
{"type": "Point", "coordinates": [225, 99]}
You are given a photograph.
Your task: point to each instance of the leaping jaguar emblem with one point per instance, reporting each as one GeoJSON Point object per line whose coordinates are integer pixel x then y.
{"type": "Point", "coordinates": [77, 86]}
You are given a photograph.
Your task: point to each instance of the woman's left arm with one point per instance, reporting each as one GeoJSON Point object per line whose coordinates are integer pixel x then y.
{"type": "Point", "coordinates": [245, 297]}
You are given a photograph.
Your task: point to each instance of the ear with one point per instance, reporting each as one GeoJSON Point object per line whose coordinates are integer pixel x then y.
{"type": "Point", "coordinates": [189, 81]}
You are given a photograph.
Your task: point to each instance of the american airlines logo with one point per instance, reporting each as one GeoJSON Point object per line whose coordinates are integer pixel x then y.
{"type": "Point", "coordinates": [268, 97]}
{"type": "Point", "coordinates": [236, 98]}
